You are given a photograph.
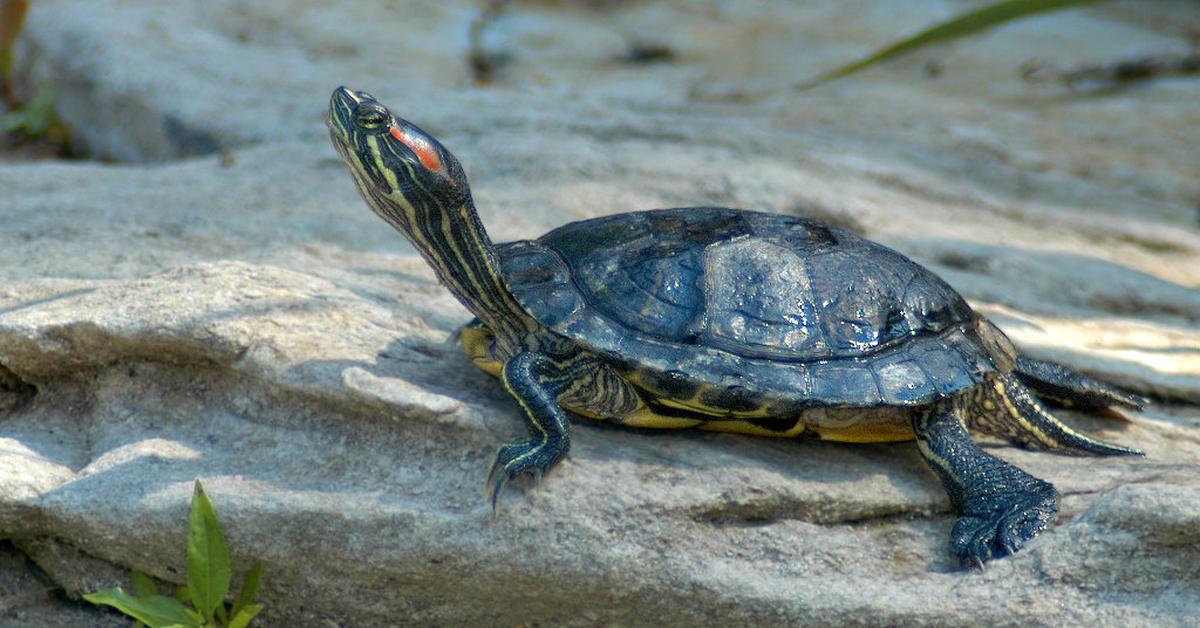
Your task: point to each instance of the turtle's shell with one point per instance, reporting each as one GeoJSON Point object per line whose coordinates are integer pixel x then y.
{"type": "Point", "coordinates": [753, 305]}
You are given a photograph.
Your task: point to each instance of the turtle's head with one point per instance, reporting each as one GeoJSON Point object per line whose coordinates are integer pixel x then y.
{"type": "Point", "coordinates": [403, 172]}
{"type": "Point", "coordinates": [410, 180]}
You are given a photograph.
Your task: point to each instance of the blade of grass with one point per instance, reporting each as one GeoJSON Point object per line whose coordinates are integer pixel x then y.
{"type": "Point", "coordinates": [979, 20]}
{"type": "Point", "coordinates": [208, 570]}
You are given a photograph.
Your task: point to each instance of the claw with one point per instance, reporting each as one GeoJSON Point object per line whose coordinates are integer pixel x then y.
{"type": "Point", "coordinates": [534, 457]}
{"type": "Point", "coordinates": [998, 534]}
{"type": "Point", "coordinates": [494, 485]}
{"type": "Point", "coordinates": [495, 492]}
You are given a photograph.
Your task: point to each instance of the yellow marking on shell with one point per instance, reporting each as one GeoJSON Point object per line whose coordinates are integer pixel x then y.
{"type": "Point", "coordinates": [693, 404]}
{"type": "Point", "coordinates": [867, 433]}
{"type": "Point", "coordinates": [743, 427]}
{"type": "Point", "coordinates": [648, 418]}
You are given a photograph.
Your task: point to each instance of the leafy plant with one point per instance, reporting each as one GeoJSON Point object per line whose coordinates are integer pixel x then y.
{"type": "Point", "coordinates": [208, 575]}
{"type": "Point", "coordinates": [970, 23]}
{"type": "Point", "coordinates": [36, 118]}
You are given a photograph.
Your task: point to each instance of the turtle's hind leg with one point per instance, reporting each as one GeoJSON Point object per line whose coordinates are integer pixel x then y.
{"type": "Point", "coordinates": [1072, 389]}
{"type": "Point", "coordinates": [1009, 410]}
{"type": "Point", "coordinates": [1000, 506]}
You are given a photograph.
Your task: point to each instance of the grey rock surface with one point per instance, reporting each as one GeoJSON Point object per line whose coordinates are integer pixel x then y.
{"type": "Point", "coordinates": [244, 319]}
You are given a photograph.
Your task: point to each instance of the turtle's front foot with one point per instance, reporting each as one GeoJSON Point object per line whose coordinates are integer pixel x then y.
{"type": "Point", "coordinates": [535, 381]}
{"type": "Point", "coordinates": [995, 525]}
{"type": "Point", "coordinates": [535, 457]}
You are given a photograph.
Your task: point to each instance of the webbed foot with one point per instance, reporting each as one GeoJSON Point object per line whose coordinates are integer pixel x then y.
{"type": "Point", "coordinates": [535, 457]}
{"type": "Point", "coordinates": [1000, 506]}
{"type": "Point", "coordinates": [994, 530]}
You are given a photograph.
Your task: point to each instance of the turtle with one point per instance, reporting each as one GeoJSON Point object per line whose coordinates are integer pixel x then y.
{"type": "Point", "coordinates": [730, 320]}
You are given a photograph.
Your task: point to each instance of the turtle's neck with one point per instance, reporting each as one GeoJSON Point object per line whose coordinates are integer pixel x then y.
{"type": "Point", "coordinates": [451, 238]}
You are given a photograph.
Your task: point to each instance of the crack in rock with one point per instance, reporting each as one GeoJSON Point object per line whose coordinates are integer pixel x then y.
{"type": "Point", "coordinates": [15, 392]}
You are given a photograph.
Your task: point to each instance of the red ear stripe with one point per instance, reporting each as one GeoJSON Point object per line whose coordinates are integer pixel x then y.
{"type": "Point", "coordinates": [425, 152]}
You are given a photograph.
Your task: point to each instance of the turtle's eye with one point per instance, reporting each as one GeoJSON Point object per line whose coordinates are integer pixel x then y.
{"type": "Point", "coordinates": [370, 119]}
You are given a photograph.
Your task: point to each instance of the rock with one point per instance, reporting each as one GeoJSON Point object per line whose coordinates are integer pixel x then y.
{"type": "Point", "coordinates": [26, 600]}
{"type": "Point", "coordinates": [346, 451]}
{"type": "Point", "coordinates": [244, 319]}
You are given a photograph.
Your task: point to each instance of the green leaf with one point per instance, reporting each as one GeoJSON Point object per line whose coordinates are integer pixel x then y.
{"type": "Point", "coordinates": [967, 24]}
{"type": "Point", "coordinates": [182, 594]}
{"type": "Point", "coordinates": [142, 584]}
{"type": "Point", "coordinates": [156, 611]}
{"type": "Point", "coordinates": [249, 589]}
{"type": "Point", "coordinates": [242, 618]}
{"type": "Point", "coordinates": [34, 118]}
{"type": "Point", "coordinates": [12, 121]}
{"type": "Point", "coordinates": [208, 570]}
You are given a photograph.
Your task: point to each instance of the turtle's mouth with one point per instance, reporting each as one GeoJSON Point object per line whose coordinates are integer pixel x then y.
{"type": "Point", "coordinates": [339, 118]}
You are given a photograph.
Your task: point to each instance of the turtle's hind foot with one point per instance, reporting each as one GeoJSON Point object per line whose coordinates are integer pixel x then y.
{"type": "Point", "coordinates": [1000, 507]}
{"type": "Point", "coordinates": [994, 526]}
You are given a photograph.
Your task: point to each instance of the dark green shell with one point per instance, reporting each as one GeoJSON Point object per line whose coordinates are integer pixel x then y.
{"type": "Point", "coordinates": [758, 305]}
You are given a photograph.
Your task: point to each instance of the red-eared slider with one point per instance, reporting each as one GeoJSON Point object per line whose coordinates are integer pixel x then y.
{"type": "Point", "coordinates": [728, 320]}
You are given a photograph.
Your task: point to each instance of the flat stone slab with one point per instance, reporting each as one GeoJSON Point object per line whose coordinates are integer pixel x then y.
{"type": "Point", "coordinates": [346, 449]}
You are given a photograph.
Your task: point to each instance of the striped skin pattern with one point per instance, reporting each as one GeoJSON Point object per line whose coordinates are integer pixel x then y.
{"type": "Point", "coordinates": [727, 320]}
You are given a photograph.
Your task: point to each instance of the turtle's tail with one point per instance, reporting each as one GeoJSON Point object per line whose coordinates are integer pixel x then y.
{"type": "Point", "coordinates": [1007, 409]}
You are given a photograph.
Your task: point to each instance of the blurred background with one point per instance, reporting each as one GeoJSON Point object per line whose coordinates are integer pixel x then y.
{"type": "Point", "coordinates": [1047, 164]}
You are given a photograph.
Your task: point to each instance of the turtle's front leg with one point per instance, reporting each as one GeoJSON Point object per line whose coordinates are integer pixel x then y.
{"type": "Point", "coordinates": [1000, 506]}
{"type": "Point", "coordinates": [535, 380]}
